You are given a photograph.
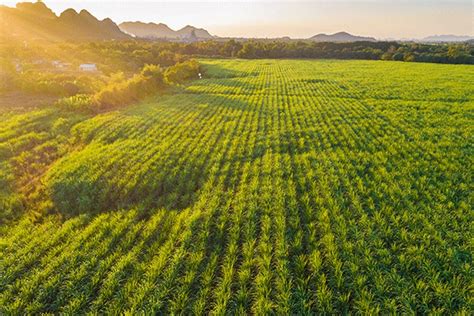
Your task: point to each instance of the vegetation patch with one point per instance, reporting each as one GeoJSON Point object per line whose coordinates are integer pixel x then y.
{"type": "Point", "coordinates": [297, 187]}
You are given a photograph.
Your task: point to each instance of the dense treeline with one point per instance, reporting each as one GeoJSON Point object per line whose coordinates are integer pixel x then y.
{"type": "Point", "coordinates": [121, 92]}
{"type": "Point", "coordinates": [130, 56]}
{"type": "Point", "coordinates": [413, 52]}
{"type": "Point", "coordinates": [109, 56]}
{"type": "Point", "coordinates": [167, 52]}
{"type": "Point", "coordinates": [126, 72]}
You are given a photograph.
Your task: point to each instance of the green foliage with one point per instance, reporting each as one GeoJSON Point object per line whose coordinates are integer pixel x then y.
{"type": "Point", "coordinates": [268, 187]}
{"type": "Point", "coordinates": [29, 144]}
{"type": "Point", "coordinates": [182, 72]}
{"type": "Point", "coordinates": [7, 74]}
{"type": "Point", "coordinates": [50, 83]}
{"type": "Point", "coordinates": [409, 57]}
{"type": "Point", "coordinates": [79, 102]}
{"type": "Point", "coordinates": [434, 53]}
{"type": "Point", "coordinates": [166, 58]}
{"type": "Point", "coordinates": [118, 94]}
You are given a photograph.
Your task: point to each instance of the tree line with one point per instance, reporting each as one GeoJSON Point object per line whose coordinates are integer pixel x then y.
{"type": "Point", "coordinates": [410, 52]}
{"type": "Point", "coordinates": [166, 53]}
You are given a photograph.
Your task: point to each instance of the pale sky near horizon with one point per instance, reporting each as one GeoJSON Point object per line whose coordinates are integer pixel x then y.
{"type": "Point", "coordinates": [294, 18]}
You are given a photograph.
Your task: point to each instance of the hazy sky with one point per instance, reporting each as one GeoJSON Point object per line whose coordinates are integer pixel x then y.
{"type": "Point", "coordinates": [295, 18]}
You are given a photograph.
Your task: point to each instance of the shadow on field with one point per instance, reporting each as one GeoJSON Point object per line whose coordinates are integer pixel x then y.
{"type": "Point", "coordinates": [93, 181]}
{"type": "Point", "coordinates": [128, 162]}
{"type": "Point", "coordinates": [231, 86]}
{"type": "Point", "coordinates": [227, 105]}
{"type": "Point", "coordinates": [220, 72]}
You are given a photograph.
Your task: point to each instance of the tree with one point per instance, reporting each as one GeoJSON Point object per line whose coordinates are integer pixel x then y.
{"type": "Point", "coordinates": [231, 48]}
{"type": "Point", "coordinates": [409, 57]}
{"type": "Point", "coordinates": [247, 51]}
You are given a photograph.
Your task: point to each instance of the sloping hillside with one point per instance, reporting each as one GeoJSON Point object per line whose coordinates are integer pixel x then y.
{"type": "Point", "coordinates": [341, 37]}
{"type": "Point", "coordinates": [447, 38]}
{"type": "Point", "coordinates": [153, 30]}
{"type": "Point", "coordinates": [189, 30]}
{"type": "Point", "coordinates": [36, 21]}
{"type": "Point", "coordinates": [147, 30]}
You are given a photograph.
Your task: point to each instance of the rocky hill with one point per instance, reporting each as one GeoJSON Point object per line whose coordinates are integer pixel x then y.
{"type": "Point", "coordinates": [36, 21]}
{"type": "Point", "coordinates": [340, 37]}
{"type": "Point", "coordinates": [160, 30]}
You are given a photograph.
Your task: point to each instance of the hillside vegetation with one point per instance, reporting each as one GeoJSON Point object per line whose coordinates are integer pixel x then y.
{"type": "Point", "coordinates": [35, 21]}
{"type": "Point", "coordinates": [269, 186]}
{"type": "Point", "coordinates": [162, 31]}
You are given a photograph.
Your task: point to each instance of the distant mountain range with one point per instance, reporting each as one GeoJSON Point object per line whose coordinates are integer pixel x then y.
{"type": "Point", "coordinates": [447, 38]}
{"type": "Point", "coordinates": [341, 37]}
{"type": "Point", "coordinates": [157, 31]}
{"type": "Point", "coordinates": [36, 21]}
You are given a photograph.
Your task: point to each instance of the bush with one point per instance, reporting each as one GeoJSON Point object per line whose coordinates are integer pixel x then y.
{"type": "Point", "coordinates": [398, 56]}
{"type": "Point", "coordinates": [57, 84]}
{"type": "Point", "coordinates": [80, 102]}
{"type": "Point", "coordinates": [122, 92]}
{"type": "Point", "coordinates": [387, 56]}
{"type": "Point", "coordinates": [409, 57]}
{"type": "Point", "coordinates": [181, 72]}
{"type": "Point", "coordinates": [117, 94]}
{"type": "Point", "coordinates": [70, 88]}
{"type": "Point", "coordinates": [166, 58]}
{"type": "Point", "coordinates": [153, 74]}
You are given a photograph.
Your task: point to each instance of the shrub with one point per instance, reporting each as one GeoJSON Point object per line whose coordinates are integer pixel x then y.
{"type": "Point", "coordinates": [387, 56]}
{"type": "Point", "coordinates": [153, 75]}
{"type": "Point", "coordinates": [398, 56]}
{"type": "Point", "coordinates": [80, 102]}
{"type": "Point", "coordinates": [409, 57]}
{"type": "Point", "coordinates": [117, 94]}
{"type": "Point", "coordinates": [70, 88]}
{"type": "Point", "coordinates": [181, 72]}
{"type": "Point", "coordinates": [58, 84]}
{"type": "Point", "coordinates": [166, 58]}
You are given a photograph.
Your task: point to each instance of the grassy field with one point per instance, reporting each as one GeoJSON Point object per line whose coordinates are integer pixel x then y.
{"type": "Point", "coordinates": [269, 186]}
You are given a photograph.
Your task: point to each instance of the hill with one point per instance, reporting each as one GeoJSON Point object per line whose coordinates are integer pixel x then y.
{"type": "Point", "coordinates": [147, 30]}
{"type": "Point", "coordinates": [189, 30]}
{"type": "Point", "coordinates": [447, 38]}
{"type": "Point", "coordinates": [341, 37]}
{"type": "Point", "coordinates": [160, 30]}
{"type": "Point", "coordinates": [36, 21]}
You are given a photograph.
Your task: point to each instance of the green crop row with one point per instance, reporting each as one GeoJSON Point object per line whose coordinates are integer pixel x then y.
{"type": "Point", "coordinates": [268, 187]}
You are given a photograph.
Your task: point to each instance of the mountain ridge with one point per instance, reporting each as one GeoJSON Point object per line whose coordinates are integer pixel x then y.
{"type": "Point", "coordinates": [447, 38]}
{"type": "Point", "coordinates": [34, 20]}
{"type": "Point", "coordinates": [163, 31]}
{"type": "Point", "coordinates": [340, 37]}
